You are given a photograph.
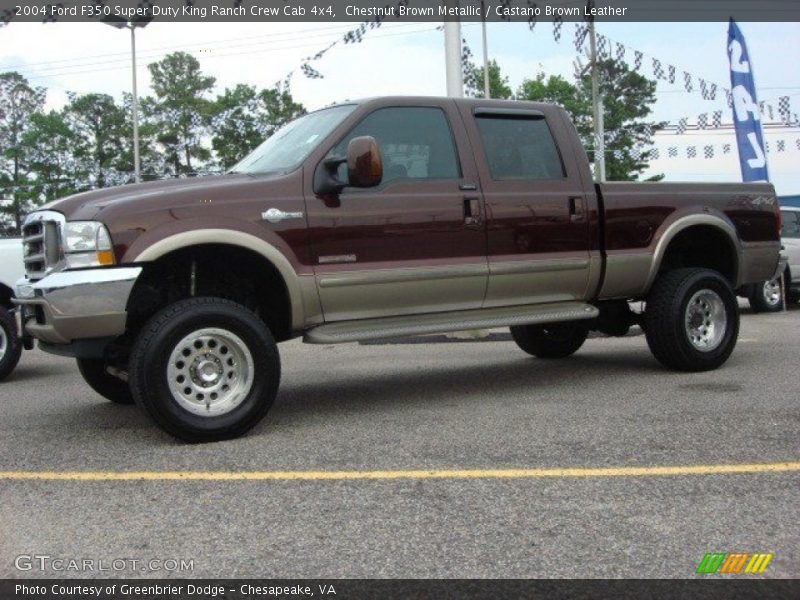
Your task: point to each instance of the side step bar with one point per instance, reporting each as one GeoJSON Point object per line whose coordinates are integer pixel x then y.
{"type": "Point", "coordinates": [375, 329]}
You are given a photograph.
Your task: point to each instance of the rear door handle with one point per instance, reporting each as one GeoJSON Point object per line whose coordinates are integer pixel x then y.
{"type": "Point", "coordinates": [472, 211]}
{"type": "Point", "coordinates": [577, 209]}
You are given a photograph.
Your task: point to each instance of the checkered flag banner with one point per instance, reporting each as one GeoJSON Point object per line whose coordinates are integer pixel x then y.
{"type": "Point", "coordinates": [691, 152]}
{"type": "Point", "coordinates": [636, 154]}
{"type": "Point", "coordinates": [708, 151]}
{"type": "Point", "coordinates": [647, 129]}
{"type": "Point", "coordinates": [671, 73]}
{"type": "Point", "coordinates": [658, 70]}
{"type": "Point", "coordinates": [618, 154]}
{"type": "Point", "coordinates": [558, 23]}
{"type": "Point", "coordinates": [620, 51]}
{"type": "Point", "coordinates": [797, 143]}
{"type": "Point", "coordinates": [781, 146]}
{"type": "Point", "coordinates": [580, 36]}
{"type": "Point", "coordinates": [532, 18]}
{"type": "Point", "coordinates": [770, 112]}
{"type": "Point", "coordinates": [716, 119]}
{"type": "Point", "coordinates": [681, 126]}
{"type": "Point", "coordinates": [702, 121]}
{"type": "Point", "coordinates": [603, 46]}
{"type": "Point", "coordinates": [729, 98]}
{"type": "Point", "coordinates": [311, 72]}
{"type": "Point", "coordinates": [726, 148]}
{"type": "Point", "coordinates": [712, 91]}
{"type": "Point", "coordinates": [687, 82]}
{"type": "Point", "coordinates": [703, 88]}
{"type": "Point", "coordinates": [672, 152]}
{"type": "Point", "coordinates": [655, 154]}
{"type": "Point", "coordinates": [637, 60]}
{"type": "Point", "coordinates": [784, 110]}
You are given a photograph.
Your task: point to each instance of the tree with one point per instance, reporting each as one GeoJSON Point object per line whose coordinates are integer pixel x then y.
{"type": "Point", "coordinates": [101, 133]}
{"type": "Point", "coordinates": [50, 145]}
{"type": "Point", "coordinates": [627, 101]}
{"type": "Point", "coordinates": [18, 103]}
{"type": "Point", "coordinates": [245, 117]}
{"type": "Point", "coordinates": [180, 111]}
{"type": "Point", "coordinates": [498, 83]}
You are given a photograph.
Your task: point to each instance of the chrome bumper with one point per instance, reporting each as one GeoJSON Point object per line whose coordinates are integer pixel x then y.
{"type": "Point", "coordinates": [74, 305]}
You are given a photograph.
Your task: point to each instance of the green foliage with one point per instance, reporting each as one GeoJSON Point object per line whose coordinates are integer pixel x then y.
{"type": "Point", "coordinates": [101, 134]}
{"type": "Point", "coordinates": [180, 113]}
{"type": "Point", "coordinates": [244, 117]}
{"type": "Point", "coordinates": [498, 84]}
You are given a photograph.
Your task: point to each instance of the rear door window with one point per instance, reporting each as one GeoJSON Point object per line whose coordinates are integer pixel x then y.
{"type": "Point", "coordinates": [791, 224]}
{"type": "Point", "coordinates": [519, 147]}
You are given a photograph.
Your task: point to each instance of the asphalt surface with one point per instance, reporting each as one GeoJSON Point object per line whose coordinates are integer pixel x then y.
{"type": "Point", "coordinates": [479, 405]}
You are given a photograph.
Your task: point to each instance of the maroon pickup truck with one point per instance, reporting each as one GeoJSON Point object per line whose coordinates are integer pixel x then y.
{"type": "Point", "coordinates": [377, 218]}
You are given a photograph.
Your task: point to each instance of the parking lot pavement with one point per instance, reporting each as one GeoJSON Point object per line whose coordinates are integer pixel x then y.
{"type": "Point", "coordinates": [397, 407]}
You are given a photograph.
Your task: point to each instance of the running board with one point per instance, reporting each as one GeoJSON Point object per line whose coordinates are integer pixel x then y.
{"type": "Point", "coordinates": [375, 329]}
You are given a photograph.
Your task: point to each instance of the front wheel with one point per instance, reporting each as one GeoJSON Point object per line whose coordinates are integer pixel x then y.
{"type": "Point", "coordinates": [766, 296]}
{"type": "Point", "coordinates": [205, 369]}
{"type": "Point", "coordinates": [556, 340]}
{"type": "Point", "coordinates": [691, 319]}
{"type": "Point", "coordinates": [10, 344]}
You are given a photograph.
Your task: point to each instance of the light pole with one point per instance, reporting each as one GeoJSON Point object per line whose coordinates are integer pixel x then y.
{"type": "Point", "coordinates": [132, 25]}
{"type": "Point", "coordinates": [486, 89]}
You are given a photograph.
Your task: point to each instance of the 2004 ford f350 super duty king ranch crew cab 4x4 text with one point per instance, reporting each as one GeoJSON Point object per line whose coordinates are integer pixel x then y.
{"type": "Point", "coordinates": [377, 218]}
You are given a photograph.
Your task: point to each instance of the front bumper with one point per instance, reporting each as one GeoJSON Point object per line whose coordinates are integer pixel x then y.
{"type": "Point", "coordinates": [76, 305]}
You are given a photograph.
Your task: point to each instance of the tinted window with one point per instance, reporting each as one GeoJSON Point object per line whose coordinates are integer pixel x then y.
{"type": "Point", "coordinates": [415, 143]}
{"type": "Point", "coordinates": [791, 224]}
{"type": "Point", "coordinates": [519, 148]}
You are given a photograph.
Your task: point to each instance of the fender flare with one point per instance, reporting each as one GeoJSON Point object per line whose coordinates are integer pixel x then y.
{"type": "Point", "coordinates": [673, 229]}
{"type": "Point", "coordinates": [246, 241]}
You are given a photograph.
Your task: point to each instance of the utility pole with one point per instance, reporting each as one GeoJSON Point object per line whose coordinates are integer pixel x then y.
{"type": "Point", "coordinates": [597, 109]}
{"type": "Point", "coordinates": [486, 89]}
{"type": "Point", "coordinates": [452, 59]}
{"type": "Point", "coordinates": [137, 167]}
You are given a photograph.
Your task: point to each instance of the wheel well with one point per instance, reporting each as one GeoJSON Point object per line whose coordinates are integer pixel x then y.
{"type": "Point", "coordinates": [220, 270]}
{"type": "Point", "coordinates": [5, 296]}
{"type": "Point", "coordinates": [703, 246]}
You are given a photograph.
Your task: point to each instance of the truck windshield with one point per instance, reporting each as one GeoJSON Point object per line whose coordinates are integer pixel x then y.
{"type": "Point", "coordinates": [288, 147]}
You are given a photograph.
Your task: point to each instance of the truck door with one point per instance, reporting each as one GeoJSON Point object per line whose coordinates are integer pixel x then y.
{"type": "Point", "coordinates": [537, 210]}
{"type": "Point", "coordinates": [417, 242]}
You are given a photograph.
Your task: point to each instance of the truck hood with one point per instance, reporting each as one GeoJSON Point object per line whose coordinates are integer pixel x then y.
{"type": "Point", "coordinates": [88, 205]}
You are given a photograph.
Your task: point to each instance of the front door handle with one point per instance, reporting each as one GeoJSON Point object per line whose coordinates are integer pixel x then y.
{"type": "Point", "coordinates": [472, 211]}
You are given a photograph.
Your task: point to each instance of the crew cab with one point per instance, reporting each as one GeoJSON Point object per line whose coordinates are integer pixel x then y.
{"type": "Point", "coordinates": [375, 218]}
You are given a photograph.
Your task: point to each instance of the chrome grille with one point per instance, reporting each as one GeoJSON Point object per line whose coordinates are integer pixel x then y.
{"type": "Point", "coordinates": [41, 244]}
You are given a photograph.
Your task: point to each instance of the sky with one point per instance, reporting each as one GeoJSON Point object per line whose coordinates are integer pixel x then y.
{"type": "Point", "coordinates": [408, 59]}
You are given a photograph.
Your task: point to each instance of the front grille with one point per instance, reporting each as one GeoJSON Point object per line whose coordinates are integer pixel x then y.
{"type": "Point", "coordinates": [41, 247]}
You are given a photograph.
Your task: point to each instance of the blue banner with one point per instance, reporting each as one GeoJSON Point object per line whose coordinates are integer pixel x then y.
{"type": "Point", "coordinates": [746, 114]}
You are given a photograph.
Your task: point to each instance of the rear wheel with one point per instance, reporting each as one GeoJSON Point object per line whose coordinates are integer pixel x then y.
{"type": "Point", "coordinates": [691, 319]}
{"type": "Point", "coordinates": [766, 296]}
{"type": "Point", "coordinates": [93, 371]}
{"type": "Point", "coordinates": [556, 340]}
{"type": "Point", "coordinates": [10, 344]}
{"type": "Point", "coordinates": [205, 369]}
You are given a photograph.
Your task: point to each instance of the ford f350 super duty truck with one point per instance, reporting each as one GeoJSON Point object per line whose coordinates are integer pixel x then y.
{"type": "Point", "coordinates": [376, 218]}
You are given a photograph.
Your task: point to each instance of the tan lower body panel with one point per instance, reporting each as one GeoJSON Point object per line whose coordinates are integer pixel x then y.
{"type": "Point", "coordinates": [542, 280]}
{"type": "Point", "coordinates": [371, 329]}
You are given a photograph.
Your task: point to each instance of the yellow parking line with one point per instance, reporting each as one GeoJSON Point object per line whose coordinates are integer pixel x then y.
{"type": "Point", "coordinates": [407, 474]}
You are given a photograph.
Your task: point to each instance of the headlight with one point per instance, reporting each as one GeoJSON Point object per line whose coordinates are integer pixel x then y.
{"type": "Point", "coordinates": [87, 244]}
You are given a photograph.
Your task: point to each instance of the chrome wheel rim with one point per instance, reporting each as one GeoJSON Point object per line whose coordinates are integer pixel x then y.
{"type": "Point", "coordinates": [3, 342]}
{"type": "Point", "coordinates": [210, 372]}
{"type": "Point", "coordinates": [706, 320]}
{"type": "Point", "coordinates": [772, 292]}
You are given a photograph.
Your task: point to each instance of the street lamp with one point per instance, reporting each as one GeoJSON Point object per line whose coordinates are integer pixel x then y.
{"type": "Point", "coordinates": [120, 23]}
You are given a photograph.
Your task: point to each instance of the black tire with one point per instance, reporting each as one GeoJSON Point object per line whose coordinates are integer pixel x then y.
{"type": "Point", "coordinates": [556, 340]}
{"type": "Point", "coordinates": [10, 344]}
{"type": "Point", "coordinates": [154, 368]}
{"type": "Point", "coordinates": [764, 297]}
{"type": "Point", "coordinates": [93, 371]}
{"type": "Point", "coordinates": [666, 312]}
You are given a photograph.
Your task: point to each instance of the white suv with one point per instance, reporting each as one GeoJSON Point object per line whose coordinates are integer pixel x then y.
{"type": "Point", "coordinates": [766, 297]}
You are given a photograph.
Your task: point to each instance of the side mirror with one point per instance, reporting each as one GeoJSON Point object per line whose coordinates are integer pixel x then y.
{"type": "Point", "coordinates": [364, 165]}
